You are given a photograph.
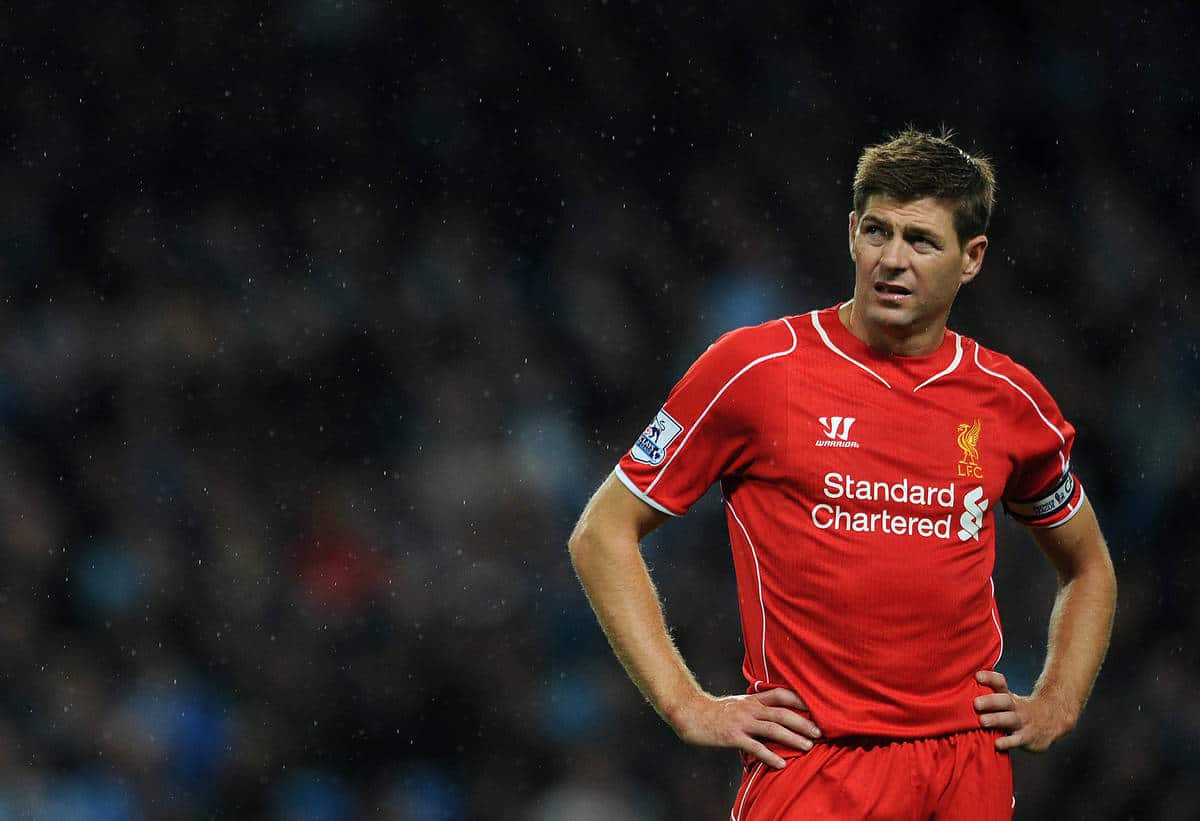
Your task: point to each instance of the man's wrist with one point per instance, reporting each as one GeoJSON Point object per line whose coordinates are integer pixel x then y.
{"type": "Point", "coordinates": [1063, 709]}
{"type": "Point", "coordinates": [679, 711]}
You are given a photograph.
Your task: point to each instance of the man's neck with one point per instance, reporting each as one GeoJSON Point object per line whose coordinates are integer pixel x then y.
{"type": "Point", "coordinates": [898, 342]}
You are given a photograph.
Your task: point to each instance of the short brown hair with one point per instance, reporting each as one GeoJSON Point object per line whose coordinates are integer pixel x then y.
{"type": "Point", "coordinates": [914, 164]}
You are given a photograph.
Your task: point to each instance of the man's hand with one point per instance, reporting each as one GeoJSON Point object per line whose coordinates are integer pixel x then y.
{"type": "Point", "coordinates": [744, 722]}
{"type": "Point", "coordinates": [1032, 722]}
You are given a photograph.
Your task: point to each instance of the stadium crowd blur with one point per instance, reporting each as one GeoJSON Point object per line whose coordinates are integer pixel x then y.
{"type": "Point", "coordinates": [322, 324]}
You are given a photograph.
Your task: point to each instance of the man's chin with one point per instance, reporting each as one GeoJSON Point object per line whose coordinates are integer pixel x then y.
{"type": "Point", "coordinates": [897, 317]}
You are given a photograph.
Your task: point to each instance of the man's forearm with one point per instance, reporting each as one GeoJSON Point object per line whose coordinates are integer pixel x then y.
{"type": "Point", "coordinates": [606, 553]}
{"type": "Point", "coordinates": [1080, 627]}
{"type": "Point", "coordinates": [619, 587]}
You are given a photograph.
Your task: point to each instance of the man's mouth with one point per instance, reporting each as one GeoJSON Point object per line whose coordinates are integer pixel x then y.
{"type": "Point", "coordinates": [891, 288]}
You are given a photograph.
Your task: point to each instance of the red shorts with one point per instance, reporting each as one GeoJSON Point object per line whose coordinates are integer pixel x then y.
{"type": "Point", "coordinates": [959, 777]}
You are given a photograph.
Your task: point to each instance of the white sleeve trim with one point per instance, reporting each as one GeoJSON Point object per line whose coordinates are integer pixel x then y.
{"type": "Point", "coordinates": [638, 492]}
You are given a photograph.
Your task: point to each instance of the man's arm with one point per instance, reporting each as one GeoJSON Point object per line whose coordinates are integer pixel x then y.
{"type": "Point", "coordinates": [605, 549]}
{"type": "Point", "coordinates": [1080, 626]}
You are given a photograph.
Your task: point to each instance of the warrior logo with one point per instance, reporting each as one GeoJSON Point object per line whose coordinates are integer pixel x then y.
{"type": "Point", "coordinates": [972, 519]}
{"type": "Point", "coordinates": [837, 427]}
{"type": "Point", "coordinates": [837, 432]}
{"type": "Point", "coordinates": [968, 442]}
{"type": "Point", "coordinates": [651, 446]}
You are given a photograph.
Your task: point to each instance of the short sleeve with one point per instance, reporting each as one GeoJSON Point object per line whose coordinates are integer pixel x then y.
{"type": "Point", "coordinates": [1043, 491]}
{"type": "Point", "coordinates": [708, 427]}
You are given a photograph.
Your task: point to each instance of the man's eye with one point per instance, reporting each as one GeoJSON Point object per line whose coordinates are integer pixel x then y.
{"type": "Point", "coordinates": [873, 231]}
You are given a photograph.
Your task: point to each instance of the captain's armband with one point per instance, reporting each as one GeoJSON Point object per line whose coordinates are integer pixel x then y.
{"type": "Point", "coordinates": [1052, 508]}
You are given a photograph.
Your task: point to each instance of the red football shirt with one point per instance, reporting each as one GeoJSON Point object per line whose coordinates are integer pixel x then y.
{"type": "Point", "coordinates": [860, 490]}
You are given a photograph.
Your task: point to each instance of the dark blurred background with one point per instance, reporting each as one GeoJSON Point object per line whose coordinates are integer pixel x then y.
{"type": "Point", "coordinates": [322, 320]}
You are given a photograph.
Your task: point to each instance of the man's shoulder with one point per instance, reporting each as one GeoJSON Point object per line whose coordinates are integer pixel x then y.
{"type": "Point", "coordinates": [746, 355]}
{"type": "Point", "coordinates": [793, 331]}
{"type": "Point", "coordinates": [749, 342]}
{"type": "Point", "coordinates": [1006, 373]}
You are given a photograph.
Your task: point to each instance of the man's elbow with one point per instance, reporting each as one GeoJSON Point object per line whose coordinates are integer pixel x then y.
{"type": "Point", "coordinates": [1098, 577]}
{"type": "Point", "coordinates": [577, 544]}
{"type": "Point", "coordinates": [592, 541]}
{"type": "Point", "coordinates": [1104, 572]}
{"type": "Point", "coordinates": [585, 541]}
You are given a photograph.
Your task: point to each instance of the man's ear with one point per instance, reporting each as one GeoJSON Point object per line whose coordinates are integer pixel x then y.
{"type": "Point", "coordinates": [973, 253]}
{"type": "Point", "coordinates": [853, 225]}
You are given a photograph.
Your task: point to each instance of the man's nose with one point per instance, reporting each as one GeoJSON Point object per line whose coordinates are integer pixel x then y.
{"type": "Point", "coordinates": [895, 254]}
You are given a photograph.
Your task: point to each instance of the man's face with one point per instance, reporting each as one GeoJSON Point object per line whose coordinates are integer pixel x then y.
{"type": "Point", "coordinates": [909, 263]}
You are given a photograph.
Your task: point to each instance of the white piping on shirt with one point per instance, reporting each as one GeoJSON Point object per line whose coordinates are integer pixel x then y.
{"type": "Point", "coordinates": [953, 365]}
{"type": "Point", "coordinates": [829, 344]}
{"type": "Point", "coordinates": [1061, 456]}
{"type": "Point", "coordinates": [996, 621]}
{"type": "Point", "coordinates": [762, 607]}
{"type": "Point", "coordinates": [724, 388]}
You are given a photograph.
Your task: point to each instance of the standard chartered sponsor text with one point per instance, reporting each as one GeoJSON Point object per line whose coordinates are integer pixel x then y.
{"type": "Point", "coordinates": [836, 517]}
{"type": "Point", "coordinates": [840, 486]}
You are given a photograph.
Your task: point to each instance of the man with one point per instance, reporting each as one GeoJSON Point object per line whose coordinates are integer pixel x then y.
{"type": "Point", "coordinates": [862, 451]}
